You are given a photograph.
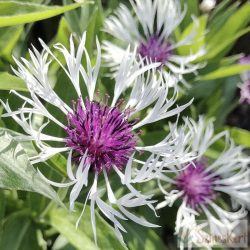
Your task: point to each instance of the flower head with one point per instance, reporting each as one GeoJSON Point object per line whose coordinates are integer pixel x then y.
{"type": "Point", "coordinates": [150, 29]}
{"type": "Point", "coordinates": [101, 137]}
{"type": "Point", "coordinates": [196, 184]}
{"type": "Point", "coordinates": [199, 184]}
{"type": "Point", "coordinates": [245, 87]}
{"type": "Point", "coordinates": [207, 5]}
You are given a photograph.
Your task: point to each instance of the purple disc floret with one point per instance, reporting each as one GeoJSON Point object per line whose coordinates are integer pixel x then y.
{"type": "Point", "coordinates": [196, 184]}
{"type": "Point", "coordinates": [103, 132]}
{"type": "Point", "coordinates": [155, 50]}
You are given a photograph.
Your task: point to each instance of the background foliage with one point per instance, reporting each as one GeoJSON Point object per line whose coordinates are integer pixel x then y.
{"type": "Point", "coordinates": [30, 220]}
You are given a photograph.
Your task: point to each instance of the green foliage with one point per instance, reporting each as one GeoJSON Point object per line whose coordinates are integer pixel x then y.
{"type": "Point", "coordinates": [240, 136]}
{"type": "Point", "coordinates": [13, 13]}
{"type": "Point", "coordinates": [17, 173]}
{"type": "Point", "coordinates": [141, 239]}
{"type": "Point", "coordinates": [11, 82]}
{"type": "Point", "coordinates": [18, 233]}
{"type": "Point", "coordinates": [82, 237]}
{"type": "Point", "coordinates": [198, 27]}
{"type": "Point", "coordinates": [9, 37]}
{"type": "Point", "coordinates": [225, 72]}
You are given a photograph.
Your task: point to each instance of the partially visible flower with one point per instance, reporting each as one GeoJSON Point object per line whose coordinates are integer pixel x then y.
{"type": "Point", "coordinates": [101, 137]}
{"type": "Point", "coordinates": [150, 30]}
{"type": "Point", "coordinates": [245, 76]}
{"type": "Point", "coordinates": [207, 5]}
{"type": "Point", "coordinates": [198, 184]}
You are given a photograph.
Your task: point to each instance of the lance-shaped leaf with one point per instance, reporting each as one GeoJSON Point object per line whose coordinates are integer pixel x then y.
{"type": "Point", "coordinates": [13, 13]}
{"type": "Point", "coordinates": [82, 237]}
{"type": "Point", "coordinates": [16, 171]}
{"type": "Point", "coordinates": [11, 82]}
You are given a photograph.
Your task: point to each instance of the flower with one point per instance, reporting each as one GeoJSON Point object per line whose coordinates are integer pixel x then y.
{"type": "Point", "coordinates": [245, 76]}
{"type": "Point", "coordinates": [207, 5]}
{"type": "Point", "coordinates": [101, 137]}
{"type": "Point", "coordinates": [200, 183]}
{"type": "Point", "coordinates": [150, 30]}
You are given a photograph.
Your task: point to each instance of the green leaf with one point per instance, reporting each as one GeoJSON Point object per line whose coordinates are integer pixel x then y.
{"type": "Point", "coordinates": [225, 72]}
{"type": "Point", "coordinates": [63, 32]}
{"type": "Point", "coordinates": [13, 13]}
{"type": "Point", "coordinates": [219, 17]}
{"type": "Point", "coordinates": [61, 243]}
{"type": "Point", "coordinates": [192, 9]}
{"type": "Point", "coordinates": [214, 51]}
{"type": "Point", "coordinates": [17, 173]}
{"type": "Point", "coordinates": [199, 26]}
{"type": "Point", "coordinates": [73, 18]}
{"type": "Point", "coordinates": [139, 238]}
{"type": "Point", "coordinates": [235, 23]}
{"type": "Point", "coordinates": [11, 82]}
{"type": "Point", "coordinates": [18, 233]}
{"type": "Point", "coordinates": [240, 136]}
{"type": "Point", "coordinates": [9, 37]}
{"type": "Point", "coordinates": [2, 207]}
{"type": "Point", "coordinates": [64, 223]}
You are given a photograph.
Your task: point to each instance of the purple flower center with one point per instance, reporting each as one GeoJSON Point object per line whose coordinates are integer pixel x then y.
{"type": "Point", "coordinates": [103, 131]}
{"type": "Point", "coordinates": [155, 50]}
{"type": "Point", "coordinates": [196, 184]}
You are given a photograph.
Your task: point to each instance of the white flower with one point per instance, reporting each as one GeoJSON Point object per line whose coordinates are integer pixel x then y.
{"type": "Point", "coordinates": [150, 30]}
{"type": "Point", "coordinates": [99, 136]}
{"type": "Point", "coordinates": [200, 182]}
{"type": "Point", "coordinates": [207, 5]}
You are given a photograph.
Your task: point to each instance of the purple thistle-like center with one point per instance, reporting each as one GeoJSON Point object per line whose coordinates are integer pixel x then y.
{"type": "Point", "coordinates": [103, 131]}
{"type": "Point", "coordinates": [155, 50]}
{"type": "Point", "coordinates": [196, 184]}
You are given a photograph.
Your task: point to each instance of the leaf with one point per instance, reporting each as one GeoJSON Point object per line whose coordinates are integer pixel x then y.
{"type": "Point", "coordinates": [61, 243]}
{"type": "Point", "coordinates": [9, 37]}
{"type": "Point", "coordinates": [63, 32]}
{"type": "Point", "coordinates": [219, 17]}
{"type": "Point", "coordinates": [240, 136]}
{"type": "Point", "coordinates": [152, 137]}
{"type": "Point", "coordinates": [236, 22]}
{"type": "Point", "coordinates": [13, 13]}
{"type": "Point", "coordinates": [192, 9]}
{"type": "Point", "coordinates": [17, 173]}
{"type": "Point", "coordinates": [74, 18]}
{"type": "Point", "coordinates": [225, 72]}
{"type": "Point", "coordinates": [203, 89]}
{"type": "Point", "coordinates": [199, 27]}
{"type": "Point", "coordinates": [64, 223]}
{"type": "Point", "coordinates": [11, 82]}
{"type": "Point", "coordinates": [18, 233]}
{"type": "Point", "coordinates": [2, 206]}
{"type": "Point", "coordinates": [222, 46]}
{"type": "Point", "coordinates": [142, 239]}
